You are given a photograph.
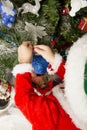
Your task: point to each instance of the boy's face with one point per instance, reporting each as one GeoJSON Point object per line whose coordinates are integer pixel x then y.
{"type": "Point", "coordinates": [40, 80]}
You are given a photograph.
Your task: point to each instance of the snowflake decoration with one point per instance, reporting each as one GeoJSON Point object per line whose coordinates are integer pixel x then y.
{"type": "Point", "coordinates": [36, 31]}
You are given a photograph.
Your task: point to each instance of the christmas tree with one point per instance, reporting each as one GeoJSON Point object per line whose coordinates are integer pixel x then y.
{"type": "Point", "coordinates": [52, 22]}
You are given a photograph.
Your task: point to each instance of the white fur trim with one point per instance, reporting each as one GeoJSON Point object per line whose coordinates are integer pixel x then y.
{"type": "Point", "coordinates": [59, 94]}
{"type": "Point", "coordinates": [74, 78]}
{"type": "Point", "coordinates": [40, 94]}
{"type": "Point", "coordinates": [57, 61]}
{"type": "Point", "coordinates": [22, 68]}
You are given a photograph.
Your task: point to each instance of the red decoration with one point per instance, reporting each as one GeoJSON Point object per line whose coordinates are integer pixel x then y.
{"type": "Point", "coordinates": [65, 10]}
{"type": "Point", "coordinates": [53, 43]}
{"type": "Point", "coordinates": [83, 25]}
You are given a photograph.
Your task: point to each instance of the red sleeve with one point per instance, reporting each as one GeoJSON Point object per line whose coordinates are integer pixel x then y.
{"type": "Point", "coordinates": [61, 70]}
{"type": "Point", "coordinates": [41, 111]}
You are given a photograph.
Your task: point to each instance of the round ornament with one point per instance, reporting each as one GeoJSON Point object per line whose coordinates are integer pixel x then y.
{"type": "Point", "coordinates": [65, 10]}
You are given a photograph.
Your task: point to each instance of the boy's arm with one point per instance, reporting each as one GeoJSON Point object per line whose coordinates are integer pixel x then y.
{"type": "Point", "coordinates": [61, 70]}
{"type": "Point", "coordinates": [58, 67]}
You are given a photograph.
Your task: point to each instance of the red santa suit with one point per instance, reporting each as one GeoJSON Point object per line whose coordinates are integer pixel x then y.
{"type": "Point", "coordinates": [47, 109]}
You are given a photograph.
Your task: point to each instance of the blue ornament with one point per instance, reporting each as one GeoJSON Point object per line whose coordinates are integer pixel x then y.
{"type": "Point", "coordinates": [3, 14]}
{"type": "Point", "coordinates": [11, 18]}
{"type": "Point", "coordinates": [39, 64]}
{"type": "Point", "coordinates": [4, 20]}
{"type": "Point", "coordinates": [9, 24]}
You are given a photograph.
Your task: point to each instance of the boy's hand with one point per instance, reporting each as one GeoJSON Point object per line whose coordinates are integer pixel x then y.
{"type": "Point", "coordinates": [46, 52]}
{"type": "Point", "coordinates": [25, 52]}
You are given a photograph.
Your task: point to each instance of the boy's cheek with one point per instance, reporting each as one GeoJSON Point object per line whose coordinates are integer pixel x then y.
{"type": "Point", "coordinates": [40, 81]}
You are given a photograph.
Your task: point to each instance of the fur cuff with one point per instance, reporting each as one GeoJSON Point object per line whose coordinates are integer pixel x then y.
{"type": "Point", "coordinates": [22, 68]}
{"type": "Point", "coordinates": [54, 67]}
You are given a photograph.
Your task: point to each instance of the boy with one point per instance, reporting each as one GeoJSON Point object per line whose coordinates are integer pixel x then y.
{"type": "Point", "coordinates": [46, 109]}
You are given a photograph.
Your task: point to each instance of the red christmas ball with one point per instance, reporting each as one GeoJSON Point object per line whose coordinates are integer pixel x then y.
{"type": "Point", "coordinates": [64, 11]}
